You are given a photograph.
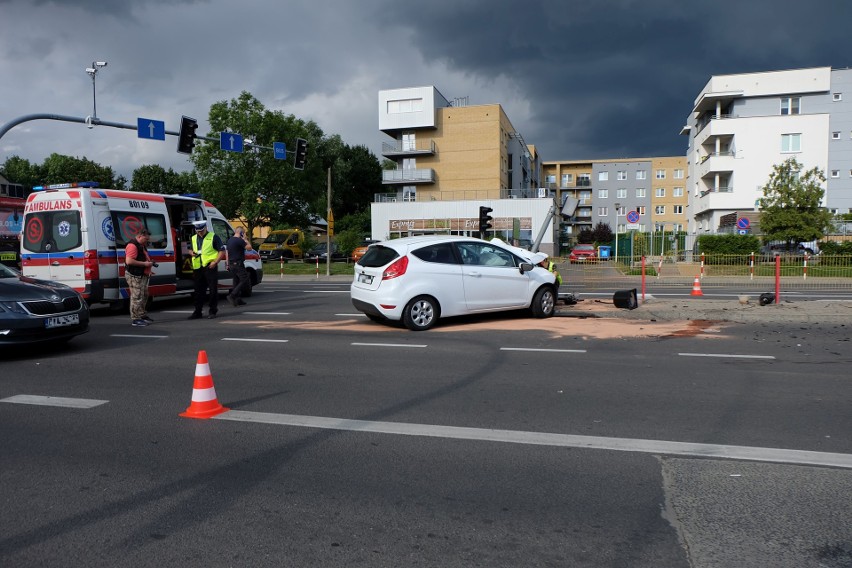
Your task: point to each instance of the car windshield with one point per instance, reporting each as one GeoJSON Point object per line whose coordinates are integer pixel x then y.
{"type": "Point", "coordinates": [377, 256]}
{"type": "Point", "coordinates": [6, 272]}
{"type": "Point", "coordinates": [584, 247]}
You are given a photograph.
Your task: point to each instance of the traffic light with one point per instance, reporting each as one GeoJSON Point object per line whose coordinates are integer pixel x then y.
{"type": "Point", "coordinates": [186, 138]}
{"type": "Point", "coordinates": [484, 219]}
{"type": "Point", "coordinates": [301, 153]}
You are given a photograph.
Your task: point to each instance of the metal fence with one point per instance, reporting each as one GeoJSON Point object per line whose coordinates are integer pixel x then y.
{"type": "Point", "coordinates": [805, 272]}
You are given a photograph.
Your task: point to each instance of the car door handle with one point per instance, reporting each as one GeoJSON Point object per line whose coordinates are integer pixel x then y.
{"type": "Point", "coordinates": [475, 274]}
{"type": "Point", "coordinates": [54, 263]}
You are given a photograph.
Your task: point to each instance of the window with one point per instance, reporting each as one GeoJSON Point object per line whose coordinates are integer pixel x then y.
{"type": "Point", "coordinates": [63, 231]}
{"type": "Point", "coordinates": [660, 210]}
{"type": "Point", "coordinates": [677, 192]}
{"type": "Point", "coordinates": [603, 176]}
{"type": "Point", "coordinates": [440, 253]}
{"type": "Point", "coordinates": [661, 174]}
{"type": "Point", "coordinates": [603, 193]}
{"type": "Point", "coordinates": [641, 174]}
{"type": "Point", "coordinates": [620, 211]}
{"type": "Point", "coordinates": [584, 180]}
{"type": "Point", "coordinates": [621, 193]}
{"type": "Point", "coordinates": [567, 180]}
{"type": "Point", "coordinates": [409, 142]}
{"type": "Point", "coordinates": [791, 142]}
{"type": "Point", "coordinates": [837, 97]}
{"type": "Point", "coordinates": [640, 192]}
{"type": "Point", "coordinates": [790, 105]}
{"type": "Point", "coordinates": [678, 174]}
{"type": "Point", "coordinates": [641, 209]}
{"type": "Point", "coordinates": [835, 135]}
{"type": "Point", "coordinates": [835, 173]}
{"type": "Point", "coordinates": [550, 179]}
{"type": "Point", "coordinates": [603, 211]}
{"type": "Point", "coordinates": [585, 196]}
{"type": "Point", "coordinates": [660, 192]}
{"type": "Point", "coordinates": [622, 175]}
{"type": "Point", "coordinates": [405, 105]}
{"type": "Point", "coordinates": [677, 209]}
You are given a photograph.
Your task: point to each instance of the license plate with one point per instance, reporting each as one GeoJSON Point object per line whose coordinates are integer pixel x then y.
{"type": "Point", "coordinates": [60, 321]}
{"type": "Point", "coordinates": [365, 278]}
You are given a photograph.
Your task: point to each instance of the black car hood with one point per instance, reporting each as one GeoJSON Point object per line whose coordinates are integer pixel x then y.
{"type": "Point", "coordinates": [23, 288]}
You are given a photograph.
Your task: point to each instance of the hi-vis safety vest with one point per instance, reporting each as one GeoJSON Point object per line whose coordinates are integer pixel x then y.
{"type": "Point", "coordinates": [208, 253]}
{"type": "Point", "coordinates": [551, 266]}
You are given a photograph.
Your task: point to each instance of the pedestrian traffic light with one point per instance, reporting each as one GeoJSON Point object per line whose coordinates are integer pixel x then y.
{"type": "Point", "coordinates": [301, 153]}
{"type": "Point", "coordinates": [484, 219]}
{"type": "Point", "coordinates": [186, 138]}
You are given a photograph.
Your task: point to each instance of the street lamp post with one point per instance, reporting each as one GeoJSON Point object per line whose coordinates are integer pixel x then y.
{"type": "Point", "coordinates": [617, 207]}
{"type": "Point", "coordinates": [93, 71]}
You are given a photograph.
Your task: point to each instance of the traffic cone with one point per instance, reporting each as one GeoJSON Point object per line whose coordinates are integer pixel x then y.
{"type": "Point", "coordinates": [204, 402]}
{"type": "Point", "coordinates": [696, 288]}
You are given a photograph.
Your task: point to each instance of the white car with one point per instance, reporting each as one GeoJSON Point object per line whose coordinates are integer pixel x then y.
{"type": "Point", "coordinates": [418, 280]}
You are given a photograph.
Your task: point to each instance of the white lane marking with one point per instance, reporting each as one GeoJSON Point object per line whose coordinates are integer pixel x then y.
{"type": "Point", "coordinates": [387, 345]}
{"type": "Point", "coordinates": [352, 315]}
{"type": "Point", "coordinates": [54, 401]}
{"type": "Point", "coordinates": [258, 340]}
{"type": "Point", "coordinates": [138, 335]}
{"type": "Point", "coordinates": [746, 453]}
{"type": "Point", "coordinates": [727, 355]}
{"type": "Point", "coordinates": [545, 350]}
{"type": "Point", "coordinates": [269, 313]}
{"type": "Point", "coordinates": [325, 291]}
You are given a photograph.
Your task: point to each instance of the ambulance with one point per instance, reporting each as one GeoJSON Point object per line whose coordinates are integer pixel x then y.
{"type": "Point", "coordinates": [75, 234]}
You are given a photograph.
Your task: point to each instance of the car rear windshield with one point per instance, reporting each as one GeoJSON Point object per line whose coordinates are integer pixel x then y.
{"type": "Point", "coordinates": [377, 256]}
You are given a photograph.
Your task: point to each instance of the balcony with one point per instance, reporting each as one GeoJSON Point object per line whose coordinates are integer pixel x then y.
{"type": "Point", "coordinates": [715, 163]}
{"type": "Point", "coordinates": [405, 176]}
{"type": "Point", "coordinates": [399, 148]}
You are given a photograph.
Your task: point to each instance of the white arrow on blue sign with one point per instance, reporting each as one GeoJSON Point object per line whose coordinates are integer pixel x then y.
{"type": "Point", "coordinates": [279, 149]}
{"type": "Point", "coordinates": [150, 129]}
{"type": "Point", "coordinates": [231, 141]}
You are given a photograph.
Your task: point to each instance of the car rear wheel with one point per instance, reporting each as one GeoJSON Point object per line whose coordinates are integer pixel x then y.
{"type": "Point", "coordinates": [544, 303]}
{"type": "Point", "coordinates": [421, 313]}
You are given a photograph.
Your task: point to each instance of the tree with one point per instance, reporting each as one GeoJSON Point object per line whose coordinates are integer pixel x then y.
{"type": "Point", "coordinates": [57, 168]}
{"type": "Point", "coordinates": [791, 208]}
{"type": "Point", "coordinates": [355, 177]}
{"type": "Point", "coordinates": [252, 185]}
{"type": "Point", "coordinates": [153, 178]}
{"type": "Point", "coordinates": [602, 233]}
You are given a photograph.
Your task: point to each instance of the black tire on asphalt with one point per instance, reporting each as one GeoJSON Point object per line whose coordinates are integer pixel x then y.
{"type": "Point", "coordinates": [544, 302]}
{"type": "Point", "coordinates": [421, 313]}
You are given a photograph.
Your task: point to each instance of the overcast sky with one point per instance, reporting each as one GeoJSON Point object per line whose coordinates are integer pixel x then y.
{"type": "Point", "coordinates": [584, 79]}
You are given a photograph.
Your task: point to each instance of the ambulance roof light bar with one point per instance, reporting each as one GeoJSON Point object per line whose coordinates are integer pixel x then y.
{"type": "Point", "coordinates": [66, 185]}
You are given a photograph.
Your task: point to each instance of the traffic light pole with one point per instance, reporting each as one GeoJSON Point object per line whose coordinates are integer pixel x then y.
{"type": "Point", "coordinates": [92, 121]}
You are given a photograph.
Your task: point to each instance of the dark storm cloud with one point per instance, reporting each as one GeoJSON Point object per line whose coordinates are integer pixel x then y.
{"type": "Point", "coordinates": [618, 78]}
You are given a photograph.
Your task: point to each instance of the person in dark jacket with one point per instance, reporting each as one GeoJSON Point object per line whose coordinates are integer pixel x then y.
{"type": "Point", "coordinates": [236, 248]}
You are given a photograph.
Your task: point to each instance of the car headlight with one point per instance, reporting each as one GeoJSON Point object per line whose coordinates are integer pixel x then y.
{"type": "Point", "coordinates": [12, 307]}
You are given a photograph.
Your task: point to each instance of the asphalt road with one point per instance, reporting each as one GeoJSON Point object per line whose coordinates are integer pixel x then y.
{"type": "Point", "coordinates": [488, 441]}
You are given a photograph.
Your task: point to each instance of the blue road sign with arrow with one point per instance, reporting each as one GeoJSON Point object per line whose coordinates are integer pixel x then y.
{"type": "Point", "coordinates": [150, 129]}
{"type": "Point", "coordinates": [231, 141]}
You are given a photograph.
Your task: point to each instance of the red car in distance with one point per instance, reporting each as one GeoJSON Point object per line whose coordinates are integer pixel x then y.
{"type": "Point", "coordinates": [583, 253]}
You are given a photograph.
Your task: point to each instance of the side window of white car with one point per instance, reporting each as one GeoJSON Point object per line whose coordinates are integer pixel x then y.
{"type": "Point", "coordinates": [485, 255]}
{"type": "Point", "coordinates": [441, 253]}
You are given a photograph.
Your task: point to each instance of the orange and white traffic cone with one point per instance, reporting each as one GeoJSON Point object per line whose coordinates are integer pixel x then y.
{"type": "Point", "coordinates": [696, 288]}
{"type": "Point", "coordinates": [204, 402]}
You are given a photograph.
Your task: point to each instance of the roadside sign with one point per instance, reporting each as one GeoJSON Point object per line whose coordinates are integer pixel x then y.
{"type": "Point", "coordinates": [231, 141]}
{"type": "Point", "coordinates": [279, 149]}
{"type": "Point", "coordinates": [632, 217]}
{"type": "Point", "coordinates": [743, 231]}
{"type": "Point", "coordinates": [632, 227]}
{"type": "Point", "coordinates": [150, 129]}
{"type": "Point", "coordinates": [743, 223]}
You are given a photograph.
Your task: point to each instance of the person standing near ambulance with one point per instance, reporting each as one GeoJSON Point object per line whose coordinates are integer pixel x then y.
{"type": "Point", "coordinates": [236, 254]}
{"type": "Point", "coordinates": [137, 272]}
{"type": "Point", "coordinates": [207, 252]}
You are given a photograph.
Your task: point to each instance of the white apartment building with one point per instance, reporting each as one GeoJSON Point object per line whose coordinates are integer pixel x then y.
{"type": "Point", "coordinates": [743, 125]}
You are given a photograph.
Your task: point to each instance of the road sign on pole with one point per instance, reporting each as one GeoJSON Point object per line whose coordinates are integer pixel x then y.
{"type": "Point", "coordinates": [632, 217]}
{"type": "Point", "coordinates": [743, 223]}
{"type": "Point", "coordinates": [279, 149]}
{"type": "Point", "coordinates": [150, 129]}
{"type": "Point", "coordinates": [231, 141]}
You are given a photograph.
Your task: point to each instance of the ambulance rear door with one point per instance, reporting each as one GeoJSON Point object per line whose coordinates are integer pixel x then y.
{"type": "Point", "coordinates": [130, 215]}
{"type": "Point", "coordinates": [52, 241]}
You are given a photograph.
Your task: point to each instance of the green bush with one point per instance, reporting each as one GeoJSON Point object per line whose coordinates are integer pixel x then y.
{"type": "Point", "coordinates": [728, 244]}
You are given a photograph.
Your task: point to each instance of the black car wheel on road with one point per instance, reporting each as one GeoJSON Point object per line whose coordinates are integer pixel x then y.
{"type": "Point", "coordinates": [33, 310]}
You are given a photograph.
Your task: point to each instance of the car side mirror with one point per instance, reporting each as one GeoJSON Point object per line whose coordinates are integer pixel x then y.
{"type": "Point", "coordinates": [525, 267]}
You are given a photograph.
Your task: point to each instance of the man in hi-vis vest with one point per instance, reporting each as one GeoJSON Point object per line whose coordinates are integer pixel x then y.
{"type": "Point", "coordinates": [207, 252]}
